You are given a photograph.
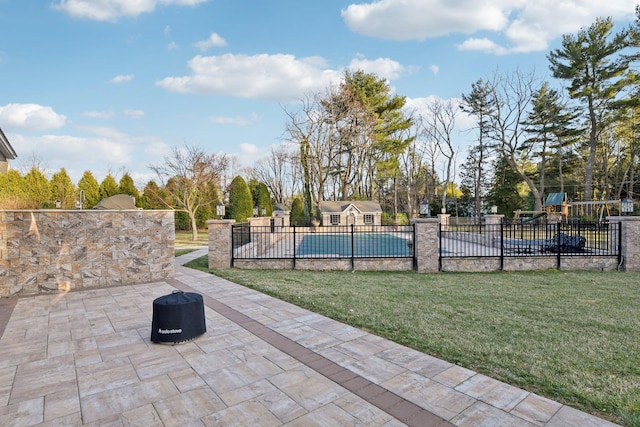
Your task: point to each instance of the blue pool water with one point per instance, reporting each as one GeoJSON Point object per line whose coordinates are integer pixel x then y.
{"type": "Point", "coordinates": [363, 245]}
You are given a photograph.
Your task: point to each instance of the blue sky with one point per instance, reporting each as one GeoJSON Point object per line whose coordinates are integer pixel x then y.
{"type": "Point", "coordinates": [112, 85]}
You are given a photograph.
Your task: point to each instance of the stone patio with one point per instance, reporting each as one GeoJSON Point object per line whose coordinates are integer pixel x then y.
{"type": "Point", "coordinates": [85, 358]}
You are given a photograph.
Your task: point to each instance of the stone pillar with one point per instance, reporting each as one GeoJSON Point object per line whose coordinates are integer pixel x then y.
{"type": "Point", "coordinates": [443, 218]}
{"type": "Point", "coordinates": [220, 244]}
{"type": "Point", "coordinates": [630, 244]}
{"type": "Point", "coordinates": [492, 230]}
{"type": "Point", "coordinates": [426, 246]}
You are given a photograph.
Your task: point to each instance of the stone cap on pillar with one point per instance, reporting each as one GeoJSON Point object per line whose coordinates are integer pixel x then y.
{"type": "Point", "coordinates": [220, 221]}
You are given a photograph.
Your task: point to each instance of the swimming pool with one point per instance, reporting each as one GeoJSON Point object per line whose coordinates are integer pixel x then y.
{"type": "Point", "coordinates": [364, 245]}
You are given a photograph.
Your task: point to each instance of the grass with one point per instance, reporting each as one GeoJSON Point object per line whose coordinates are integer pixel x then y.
{"type": "Point", "coordinates": [571, 336]}
{"type": "Point", "coordinates": [185, 238]}
{"type": "Point", "coordinates": [180, 252]}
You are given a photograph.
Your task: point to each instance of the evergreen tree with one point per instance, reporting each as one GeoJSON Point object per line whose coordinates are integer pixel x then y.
{"type": "Point", "coordinates": [63, 190]}
{"type": "Point", "coordinates": [549, 126]}
{"type": "Point", "coordinates": [108, 187]}
{"type": "Point", "coordinates": [480, 104]}
{"type": "Point", "coordinates": [12, 183]}
{"type": "Point", "coordinates": [389, 130]}
{"type": "Point", "coordinates": [37, 188]}
{"type": "Point", "coordinates": [240, 200]}
{"type": "Point", "coordinates": [126, 186]}
{"type": "Point", "coordinates": [90, 190]}
{"type": "Point", "coordinates": [597, 73]}
{"type": "Point", "coordinates": [261, 197]}
{"type": "Point", "coordinates": [12, 194]}
{"type": "Point", "coordinates": [297, 214]}
{"type": "Point", "coordinates": [152, 197]}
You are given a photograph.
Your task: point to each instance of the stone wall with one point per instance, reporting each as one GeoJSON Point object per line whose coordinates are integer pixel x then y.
{"type": "Point", "coordinates": [530, 263]}
{"type": "Point", "coordinates": [52, 250]}
{"type": "Point", "coordinates": [327, 264]}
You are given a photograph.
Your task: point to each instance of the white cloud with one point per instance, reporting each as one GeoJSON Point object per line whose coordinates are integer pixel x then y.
{"type": "Point", "coordinates": [100, 149]}
{"type": "Point", "coordinates": [422, 19]}
{"type": "Point", "coordinates": [249, 148]}
{"type": "Point", "coordinates": [31, 117]}
{"type": "Point", "coordinates": [157, 150]}
{"type": "Point", "coordinates": [105, 132]}
{"type": "Point", "coordinates": [134, 114]}
{"type": "Point", "coordinates": [214, 40]}
{"type": "Point", "coordinates": [238, 120]}
{"type": "Point", "coordinates": [112, 10]}
{"type": "Point", "coordinates": [523, 25]}
{"type": "Point", "coordinates": [98, 114]}
{"type": "Point", "coordinates": [172, 46]}
{"type": "Point", "coordinates": [483, 45]}
{"type": "Point", "coordinates": [122, 78]}
{"type": "Point", "coordinates": [68, 150]}
{"type": "Point", "coordinates": [273, 77]}
{"type": "Point", "coordinates": [382, 67]}
{"type": "Point", "coordinates": [434, 69]}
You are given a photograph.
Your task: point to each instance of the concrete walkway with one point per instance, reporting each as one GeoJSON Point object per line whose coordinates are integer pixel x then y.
{"type": "Point", "coordinates": [85, 358]}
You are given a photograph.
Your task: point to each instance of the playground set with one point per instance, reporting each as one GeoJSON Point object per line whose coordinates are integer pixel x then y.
{"type": "Point", "coordinates": [557, 207]}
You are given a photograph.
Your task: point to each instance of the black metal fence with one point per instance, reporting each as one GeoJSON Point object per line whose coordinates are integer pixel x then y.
{"type": "Point", "coordinates": [522, 239]}
{"type": "Point", "coordinates": [259, 242]}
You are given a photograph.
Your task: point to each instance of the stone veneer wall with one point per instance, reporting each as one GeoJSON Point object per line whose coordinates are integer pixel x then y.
{"type": "Point", "coordinates": [52, 250]}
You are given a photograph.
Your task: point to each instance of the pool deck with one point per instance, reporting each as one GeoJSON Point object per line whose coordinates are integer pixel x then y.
{"type": "Point", "coordinates": [85, 358]}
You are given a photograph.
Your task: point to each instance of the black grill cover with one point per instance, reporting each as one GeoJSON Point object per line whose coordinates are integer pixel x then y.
{"type": "Point", "coordinates": [178, 317]}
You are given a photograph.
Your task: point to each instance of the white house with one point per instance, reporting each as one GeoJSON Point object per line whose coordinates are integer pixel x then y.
{"type": "Point", "coordinates": [361, 212]}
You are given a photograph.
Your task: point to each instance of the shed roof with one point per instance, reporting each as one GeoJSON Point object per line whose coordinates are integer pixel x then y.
{"type": "Point", "coordinates": [281, 207]}
{"type": "Point", "coordinates": [362, 206]}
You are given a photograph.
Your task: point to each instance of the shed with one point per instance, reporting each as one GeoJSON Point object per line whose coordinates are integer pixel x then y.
{"type": "Point", "coordinates": [347, 212]}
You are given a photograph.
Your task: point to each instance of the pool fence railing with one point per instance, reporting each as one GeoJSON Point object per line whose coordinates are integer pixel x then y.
{"type": "Point", "coordinates": [428, 245]}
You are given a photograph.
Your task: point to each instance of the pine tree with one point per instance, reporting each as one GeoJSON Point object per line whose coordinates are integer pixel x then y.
{"type": "Point", "coordinates": [108, 187]}
{"type": "Point", "coordinates": [90, 190]}
{"type": "Point", "coordinates": [480, 104]}
{"type": "Point", "coordinates": [37, 188]}
{"type": "Point", "coordinates": [597, 74]}
{"type": "Point", "coordinates": [126, 186]}
{"type": "Point", "coordinates": [63, 190]}
{"type": "Point", "coordinates": [152, 197]}
{"type": "Point", "coordinates": [12, 191]}
{"type": "Point", "coordinates": [551, 127]}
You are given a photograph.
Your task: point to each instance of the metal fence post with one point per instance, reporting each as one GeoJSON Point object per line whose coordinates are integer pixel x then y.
{"type": "Point", "coordinates": [502, 245]}
{"type": "Point", "coordinates": [353, 261]}
{"type": "Point", "coordinates": [439, 246]}
{"type": "Point", "coordinates": [294, 246]}
{"type": "Point", "coordinates": [559, 258]}
{"type": "Point", "coordinates": [619, 248]}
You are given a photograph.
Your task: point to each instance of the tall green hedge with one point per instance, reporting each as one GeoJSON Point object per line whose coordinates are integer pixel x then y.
{"type": "Point", "coordinates": [240, 200]}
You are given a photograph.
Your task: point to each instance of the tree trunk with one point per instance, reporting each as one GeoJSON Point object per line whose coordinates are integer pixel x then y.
{"type": "Point", "coordinates": [194, 227]}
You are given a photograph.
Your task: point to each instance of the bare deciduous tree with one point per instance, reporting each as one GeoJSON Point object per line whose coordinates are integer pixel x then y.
{"type": "Point", "coordinates": [191, 180]}
{"type": "Point", "coordinates": [438, 128]}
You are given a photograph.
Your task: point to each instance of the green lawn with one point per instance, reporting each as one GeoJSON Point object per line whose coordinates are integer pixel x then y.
{"type": "Point", "coordinates": [185, 238]}
{"type": "Point", "coordinates": [571, 336]}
